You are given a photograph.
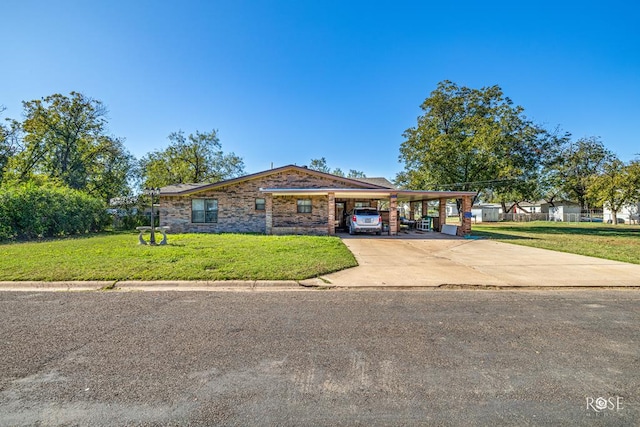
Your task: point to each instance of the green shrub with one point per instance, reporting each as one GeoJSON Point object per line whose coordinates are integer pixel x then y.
{"type": "Point", "coordinates": [29, 211]}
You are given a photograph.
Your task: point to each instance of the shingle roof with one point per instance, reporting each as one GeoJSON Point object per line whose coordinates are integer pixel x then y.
{"type": "Point", "coordinates": [379, 181]}
{"type": "Point", "coordinates": [178, 189]}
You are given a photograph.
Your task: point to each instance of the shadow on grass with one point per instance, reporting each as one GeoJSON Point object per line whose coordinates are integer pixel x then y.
{"type": "Point", "coordinates": [574, 230]}
{"type": "Point", "coordinates": [78, 236]}
{"type": "Point", "coordinates": [499, 236]}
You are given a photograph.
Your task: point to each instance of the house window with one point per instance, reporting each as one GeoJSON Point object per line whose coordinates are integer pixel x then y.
{"type": "Point", "coordinates": [204, 210]}
{"type": "Point", "coordinates": [363, 204]}
{"type": "Point", "coordinates": [304, 206]}
{"type": "Point", "coordinates": [260, 204]}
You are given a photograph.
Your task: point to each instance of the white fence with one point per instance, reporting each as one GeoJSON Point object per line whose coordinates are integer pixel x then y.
{"type": "Point", "coordinates": [523, 217]}
{"type": "Point", "coordinates": [585, 216]}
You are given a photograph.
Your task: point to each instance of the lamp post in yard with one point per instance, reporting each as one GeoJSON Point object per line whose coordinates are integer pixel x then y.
{"type": "Point", "coordinates": [152, 192]}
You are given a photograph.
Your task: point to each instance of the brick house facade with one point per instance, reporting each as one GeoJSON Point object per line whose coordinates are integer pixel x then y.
{"type": "Point", "coordinates": [286, 200]}
{"type": "Point", "coordinates": [236, 203]}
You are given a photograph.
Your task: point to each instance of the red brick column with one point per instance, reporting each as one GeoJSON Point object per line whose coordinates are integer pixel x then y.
{"type": "Point", "coordinates": [332, 213]}
{"type": "Point", "coordinates": [393, 215]}
{"type": "Point", "coordinates": [268, 208]}
{"type": "Point", "coordinates": [465, 228]}
{"type": "Point", "coordinates": [442, 212]}
{"type": "Point", "coordinates": [425, 207]}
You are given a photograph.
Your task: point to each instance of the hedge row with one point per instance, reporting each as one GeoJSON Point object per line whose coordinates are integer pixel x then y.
{"type": "Point", "coordinates": [30, 212]}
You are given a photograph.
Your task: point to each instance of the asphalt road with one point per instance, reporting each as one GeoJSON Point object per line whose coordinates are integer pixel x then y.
{"type": "Point", "coordinates": [320, 358]}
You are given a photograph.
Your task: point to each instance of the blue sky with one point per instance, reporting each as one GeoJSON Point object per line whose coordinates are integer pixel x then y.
{"type": "Point", "coordinates": [287, 81]}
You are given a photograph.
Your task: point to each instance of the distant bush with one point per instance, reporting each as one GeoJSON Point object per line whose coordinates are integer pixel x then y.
{"type": "Point", "coordinates": [29, 211]}
{"type": "Point", "coordinates": [129, 220]}
{"type": "Point", "coordinates": [130, 212]}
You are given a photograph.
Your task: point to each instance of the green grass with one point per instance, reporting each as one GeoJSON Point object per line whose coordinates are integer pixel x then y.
{"type": "Point", "coordinates": [619, 243]}
{"type": "Point", "coordinates": [186, 257]}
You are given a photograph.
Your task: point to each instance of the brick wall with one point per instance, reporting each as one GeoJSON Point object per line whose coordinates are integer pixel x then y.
{"type": "Point", "coordinates": [287, 220]}
{"type": "Point", "coordinates": [236, 207]}
{"type": "Point", "coordinates": [465, 227]}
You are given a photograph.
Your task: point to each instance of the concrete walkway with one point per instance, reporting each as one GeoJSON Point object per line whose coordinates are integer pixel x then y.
{"type": "Point", "coordinates": [438, 260]}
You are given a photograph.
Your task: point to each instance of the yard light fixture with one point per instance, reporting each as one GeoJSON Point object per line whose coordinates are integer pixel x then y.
{"type": "Point", "coordinates": [152, 192]}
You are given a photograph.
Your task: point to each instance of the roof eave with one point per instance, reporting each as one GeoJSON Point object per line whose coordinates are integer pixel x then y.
{"type": "Point", "coordinates": [256, 175]}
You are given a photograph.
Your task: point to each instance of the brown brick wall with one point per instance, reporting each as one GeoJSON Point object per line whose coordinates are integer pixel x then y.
{"type": "Point", "coordinates": [286, 216]}
{"type": "Point", "coordinates": [236, 207]}
{"type": "Point", "coordinates": [465, 228]}
{"type": "Point", "coordinates": [236, 213]}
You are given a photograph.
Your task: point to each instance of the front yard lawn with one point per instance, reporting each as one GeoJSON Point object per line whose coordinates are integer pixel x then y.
{"type": "Point", "coordinates": [186, 257]}
{"type": "Point", "coordinates": [615, 242]}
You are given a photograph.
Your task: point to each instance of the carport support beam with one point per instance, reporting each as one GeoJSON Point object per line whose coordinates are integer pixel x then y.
{"type": "Point", "coordinates": [393, 214]}
{"type": "Point", "coordinates": [268, 208]}
{"type": "Point", "coordinates": [465, 229]}
{"type": "Point", "coordinates": [332, 213]}
{"type": "Point", "coordinates": [442, 213]}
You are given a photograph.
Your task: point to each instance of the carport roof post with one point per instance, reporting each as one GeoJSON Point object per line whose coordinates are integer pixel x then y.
{"type": "Point", "coordinates": [331, 213]}
{"type": "Point", "coordinates": [393, 214]}
{"type": "Point", "coordinates": [465, 226]}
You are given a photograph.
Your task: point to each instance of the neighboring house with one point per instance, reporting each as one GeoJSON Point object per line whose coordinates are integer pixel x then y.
{"type": "Point", "coordinates": [529, 207]}
{"type": "Point", "coordinates": [628, 213]}
{"type": "Point", "coordinates": [287, 200]}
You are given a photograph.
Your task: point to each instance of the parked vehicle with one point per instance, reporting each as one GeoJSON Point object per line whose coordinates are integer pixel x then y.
{"type": "Point", "coordinates": [365, 219]}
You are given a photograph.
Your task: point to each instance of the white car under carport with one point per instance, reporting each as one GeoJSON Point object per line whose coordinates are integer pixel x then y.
{"type": "Point", "coordinates": [365, 220]}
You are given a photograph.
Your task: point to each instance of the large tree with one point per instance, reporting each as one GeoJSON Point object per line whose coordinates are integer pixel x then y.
{"type": "Point", "coordinates": [190, 159]}
{"type": "Point", "coordinates": [64, 138]}
{"type": "Point", "coordinates": [9, 143]}
{"type": "Point", "coordinates": [320, 165]}
{"type": "Point", "coordinates": [472, 140]}
{"type": "Point", "coordinates": [537, 182]}
{"type": "Point", "coordinates": [615, 188]}
{"type": "Point", "coordinates": [548, 185]}
{"type": "Point", "coordinates": [576, 166]}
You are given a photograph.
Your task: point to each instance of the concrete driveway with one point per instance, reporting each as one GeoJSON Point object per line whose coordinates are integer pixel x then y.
{"type": "Point", "coordinates": [438, 260]}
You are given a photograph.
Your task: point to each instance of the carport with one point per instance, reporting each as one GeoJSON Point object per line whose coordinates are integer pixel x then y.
{"type": "Point", "coordinates": [346, 198]}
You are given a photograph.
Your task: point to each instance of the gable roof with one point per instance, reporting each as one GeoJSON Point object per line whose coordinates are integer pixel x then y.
{"type": "Point", "coordinates": [185, 189]}
{"type": "Point", "coordinates": [379, 181]}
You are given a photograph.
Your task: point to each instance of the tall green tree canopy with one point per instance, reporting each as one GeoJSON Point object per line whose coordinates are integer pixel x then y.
{"type": "Point", "coordinates": [577, 164]}
{"type": "Point", "coordinates": [548, 186]}
{"type": "Point", "coordinates": [190, 159]}
{"type": "Point", "coordinates": [64, 138]}
{"type": "Point", "coordinates": [471, 140]}
{"type": "Point", "coordinates": [9, 145]}
{"type": "Point", "coordinates": [616, 187]}
{"type": "Point", "coordinates": [320, 165]}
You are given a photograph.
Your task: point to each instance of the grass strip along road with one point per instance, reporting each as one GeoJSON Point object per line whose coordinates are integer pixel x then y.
{"type": "Point", "coordinates": [186, 257]}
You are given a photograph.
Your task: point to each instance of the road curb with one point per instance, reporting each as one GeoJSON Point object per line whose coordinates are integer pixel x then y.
{"type": "Point", "coordinates": [207, 284]}
{"type": "Point", "coordinates": [93, 285]}
{"type": "Point", "coordinates": [272, 285]}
